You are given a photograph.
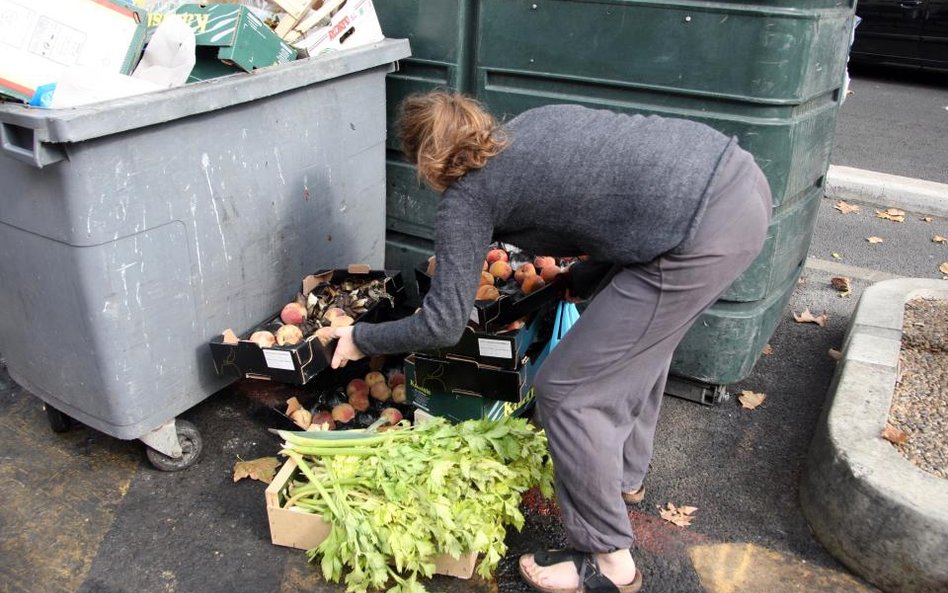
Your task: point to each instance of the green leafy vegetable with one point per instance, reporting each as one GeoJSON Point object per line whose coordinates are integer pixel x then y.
{"type": "Point", "coordinates": [397, 499]}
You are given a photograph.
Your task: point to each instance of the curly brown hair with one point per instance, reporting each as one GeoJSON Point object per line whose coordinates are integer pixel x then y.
{"type": "Point", "coordinates": [446, 134]}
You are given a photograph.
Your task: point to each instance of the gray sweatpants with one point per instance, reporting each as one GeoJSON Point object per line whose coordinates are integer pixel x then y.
{"type": "Point", "coordinates": [600, 389]}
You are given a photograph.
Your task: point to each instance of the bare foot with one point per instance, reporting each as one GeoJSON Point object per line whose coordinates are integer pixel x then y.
{"type": "Point", "coordinates": [617, 566]}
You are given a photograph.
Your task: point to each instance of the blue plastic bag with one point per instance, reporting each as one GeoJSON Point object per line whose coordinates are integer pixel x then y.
{"type": "Point", "coordinates": [566, 316]}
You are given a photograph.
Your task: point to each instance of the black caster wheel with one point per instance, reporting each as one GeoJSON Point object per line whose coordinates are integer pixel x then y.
{"type": "Point", "coordinates": [191, 447]}
{"type": "Point", "coordinates": [58, 421]}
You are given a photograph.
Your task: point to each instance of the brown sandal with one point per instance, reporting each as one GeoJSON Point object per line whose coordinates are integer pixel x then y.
{"type": "Point", "coordinates": [591, 578]}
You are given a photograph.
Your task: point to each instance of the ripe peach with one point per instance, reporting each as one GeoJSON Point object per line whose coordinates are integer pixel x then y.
{"type": "Point", "coordinates": [543, 261]}
{"type": "Point", "coordinates": [399, 394]}
{"type": "Point", "coordinates": [357, 386]}
{"type": "Point", "coordinates": [487, 293]}
{"type": "Point", "coordinates": [487, 279]}
{"type": "Point", "coordinates": [496, 255]}
{"type": "Point", "coordinates": [333, 312]}
{"type": "Point", "coordinates": [380, 391]}
{"type": "Point", "coordinates": [532, 283]}
{"type": "Point", "coordinates": [374, 377]}
{"type": "Point", "coordinates": [343, 413]}
{"type": "Point", "coordinates": [523, 271]}
{"type": "Point", "coordinates": [396, 378]}
{"type": "Point", "coordinates": [392, 415]}
{"type": "Point", "coordinates": [288, 335]}
{"type": "Point", "coordinates": [550, 272]}
{"type": "Point", "coordinates": [359, 401]}
{"type": "Point", "coordinates": [293, 313]}
{"type": "Point", "coordinates": [322, 420]}
{"type": "Point", "coordinates": [501, 270]}
{"type": "Point", "coordinates": [263, 338]}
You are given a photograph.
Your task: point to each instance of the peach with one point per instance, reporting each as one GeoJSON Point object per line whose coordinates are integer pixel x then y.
{"type": "Point", "coordinates": [380, 391]}
{"type": "Point", "coordinates": [543, 261]}
{"type": "Point", "coordinates": [496, 255]}
{"type": "Point", "coordinates": [359, 401]}
{"type": "Point", "coordinates": [343, 413]}
{"type": "Point", "coordinates": [373, 378]}
{"type": "Point", "coordinates": [487, 293]}
{"type": "Point", "coordinates": [288, 335]}
{"type": "Point", "coordinates": [293, 313]}
{"type": "Point", "coordinates": [333, 312]}
{"type": "Point", "coordinates": [323, 420]}
{"type": "Point", "coordinates": [392, 415]}
{"type": "Point", "coordinates": [550, 272]}
{"type": "Point", "coordinates": [523, 271]}
{"type": "Point", "coordinates": [532, 283]}
{"type": "Point", "coordinates": [396, 378]}
{"type": "Point", "coordinates": [263, 338]}
{"type": "Point", "coordinates": [399, 394]}
{"type": "Point", "coordinates": [487, 279]}
{"type": "Point", "coordinates": [357, 386]}
{"type": "Point", "coordinates": [500, 270]}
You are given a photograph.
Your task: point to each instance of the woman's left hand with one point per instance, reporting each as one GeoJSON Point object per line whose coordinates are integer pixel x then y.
{"type": "Point", "coordinates": [346, 348]}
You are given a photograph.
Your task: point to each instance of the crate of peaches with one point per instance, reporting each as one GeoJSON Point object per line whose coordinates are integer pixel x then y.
{"type": "Point", "coordinates": [513, 284]}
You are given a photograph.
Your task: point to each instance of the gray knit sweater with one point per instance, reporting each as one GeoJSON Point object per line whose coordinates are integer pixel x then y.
{"type": "Point", "coordinates": [620, 188]}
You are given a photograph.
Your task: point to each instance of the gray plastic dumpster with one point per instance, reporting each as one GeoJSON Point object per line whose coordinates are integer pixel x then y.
{"type": "Point", "coordinates": [133, 231]}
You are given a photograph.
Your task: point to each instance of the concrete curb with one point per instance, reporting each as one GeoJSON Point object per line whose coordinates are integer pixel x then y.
{"type": "Point", "coordinates": [875, 511]}
{"type": "Point", "coordinates": [915, 195]}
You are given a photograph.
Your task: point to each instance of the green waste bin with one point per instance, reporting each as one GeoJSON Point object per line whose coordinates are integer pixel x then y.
{"type": "Point", "coordinates": [769, 73]}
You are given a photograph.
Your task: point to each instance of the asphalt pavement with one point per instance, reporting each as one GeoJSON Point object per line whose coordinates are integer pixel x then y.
{"type": "Point", "coordinates": [86, 513]}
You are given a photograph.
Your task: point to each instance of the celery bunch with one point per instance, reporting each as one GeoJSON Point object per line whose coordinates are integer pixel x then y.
{"type": "Point", "coordinates": [398, 498]}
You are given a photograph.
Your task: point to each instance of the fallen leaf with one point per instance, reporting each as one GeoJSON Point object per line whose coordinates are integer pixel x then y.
{"type": "Point", "coordinates": [229, 337]}
{"type": "Point", "coordinates": [943, 268]}
{"type": "Point", "coordinates": [807, 317]}
{"type": "Point", "coordinates": [836, 255]}
{"type": "Point", "coordinates": [894, 435]}
{"type": "Point", "coordinates": [835, 354]}
{"type": "Point", "coordinates": [750, 400]}
{"type": "Point", "coordinates": [767, 350]}
{"type": "Point", "coordinates": [262, 469]}
{"type": "Point", "coordinates": [680, 516]}
{"type": "Point", "coordinates": [893, 214]}
{"type": "Point", "coordinates": [939, 239]}
{"type": "Point", "coordinates": [846, 208]}
{"type": "Point", "coordinates": [801, 281]}
{"type": "Point", "coordinates": [926, 219]}
{"type": "Point", "coordinates": [874, 240]}
{"type": "Point", "coordinates": [841, 284]}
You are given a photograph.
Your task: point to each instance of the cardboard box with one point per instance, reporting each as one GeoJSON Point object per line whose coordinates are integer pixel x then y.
{"type": "Point", "coordinates": [505, 350]}
{"type": "Point", "coordinates": [299, 363]}
{"type": "Point", "coordinates": [304, 531]}
{"type": "Point", "coordinates": [492, 316]}
{"type": "Point", "coordinates": [42, 39]}
{"type": "Point", "coordinates": [354, 25]}
{"type": "Point", "coordinates": [241, 37]}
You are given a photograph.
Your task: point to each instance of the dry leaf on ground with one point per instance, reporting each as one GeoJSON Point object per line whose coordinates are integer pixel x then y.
{"type": "Point", "coordinates": [893, 214]}
{"type": "Point", "coordinates": [926, 219]}
{"type": "Point", "coordinates": [807, 317]}
{"type": "Point", "coordinates": [680, 516]}
{"type": "Point", "coordinates": [943, 268]}
{"type": "Point", "coordinates": [841, 284]}
{"type": "Point", "coordinates": [894, 435]}
{"type": "Point", "coordinates": [767, 350]}
{"type": "Point", "coordinates": [874, 240]}
{"type": "Point", "coordinates": [835, 354]}
{"type": "Point", "coordinates": [750, 399]}
{"type": "Point", "coordinates": [262, 469]}
{"type": "Point", "coordinates": [939, 239]}
{"type": "Point", "coordinates": [846, 208]}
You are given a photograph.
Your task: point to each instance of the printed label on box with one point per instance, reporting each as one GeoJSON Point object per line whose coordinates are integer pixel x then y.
{"type": "Point", "coordinates": [494, 348]}
{"type": "Point", "coordinates": [278, 359]}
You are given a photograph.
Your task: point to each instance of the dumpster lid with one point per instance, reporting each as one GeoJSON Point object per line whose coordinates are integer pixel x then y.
{"type": "Point", "coordinates": [128, 113]}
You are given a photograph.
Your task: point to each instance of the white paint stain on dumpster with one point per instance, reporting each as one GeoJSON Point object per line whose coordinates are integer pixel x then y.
{"type": "Point", "coordinates": [205, 164]}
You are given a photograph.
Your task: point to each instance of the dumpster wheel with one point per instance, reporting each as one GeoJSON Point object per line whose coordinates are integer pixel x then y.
{"type": "Point", "coordinates": [58, 421]}
{"type": "Point", "coordinates": [191, 447]}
